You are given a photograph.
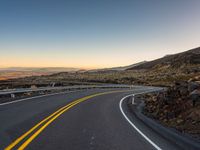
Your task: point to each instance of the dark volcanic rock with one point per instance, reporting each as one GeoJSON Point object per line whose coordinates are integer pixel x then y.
{"type": "Point", "coordinates": [178, 107]}
{"type": "Point", "coordinates": [193, 86]}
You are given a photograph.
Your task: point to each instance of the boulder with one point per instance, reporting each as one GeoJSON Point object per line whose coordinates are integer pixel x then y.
{"type": "Point", "coordinates": [193, 86]}
{"type": "Point", "coordinates": [195, 96]}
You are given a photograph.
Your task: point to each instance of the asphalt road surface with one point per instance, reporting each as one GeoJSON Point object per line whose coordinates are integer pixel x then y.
{"type": "Point", "coordinates": [83, 120]}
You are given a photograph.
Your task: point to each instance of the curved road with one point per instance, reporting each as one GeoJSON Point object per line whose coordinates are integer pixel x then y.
{"type": "Point", "coordinates": [84, 120]}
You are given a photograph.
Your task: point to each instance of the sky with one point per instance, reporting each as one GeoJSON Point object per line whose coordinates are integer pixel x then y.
{"type": "Point", "coordinates": [95, 33]}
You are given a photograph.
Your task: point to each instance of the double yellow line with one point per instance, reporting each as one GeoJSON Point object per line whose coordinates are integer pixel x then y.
{"type": "Point", "coordinates": [45, 122]}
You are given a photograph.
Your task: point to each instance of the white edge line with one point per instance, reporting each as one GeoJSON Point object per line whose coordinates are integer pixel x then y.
{"type": "Point", "coordinates": [6, 103]}
{"type": "Point", "coordinates": [140, 132]}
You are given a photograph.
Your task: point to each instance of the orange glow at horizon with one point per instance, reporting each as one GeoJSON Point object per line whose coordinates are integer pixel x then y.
{"type": "Point", "coordinates": [95, 61]}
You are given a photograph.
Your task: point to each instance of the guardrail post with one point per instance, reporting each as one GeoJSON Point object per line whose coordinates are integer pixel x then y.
{"type": "Point", "coordinates": [133, 99]}
{"type": "Point", "coordinates": [12, 95]}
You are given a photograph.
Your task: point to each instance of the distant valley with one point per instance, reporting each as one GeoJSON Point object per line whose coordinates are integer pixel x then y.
{"type": "Point", "coordinates": [20, 72]}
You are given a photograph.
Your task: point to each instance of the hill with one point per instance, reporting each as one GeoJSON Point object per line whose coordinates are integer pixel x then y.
{"type": "Point", "coordinates": [191, 57]}
{"type": "Point", "coordinates": [121, 68]}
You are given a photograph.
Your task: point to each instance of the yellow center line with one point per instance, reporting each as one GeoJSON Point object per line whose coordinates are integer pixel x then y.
{"type": "Point", "coordinates": [33, 128]}
{"type": "Point", "coordinates": [25, 144]}
{"type": "Point", "coordinates": [49, 120]}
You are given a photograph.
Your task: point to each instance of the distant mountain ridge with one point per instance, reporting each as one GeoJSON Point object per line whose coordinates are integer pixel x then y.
{"type": "Point", "coordinates": [122, 68]}
{"type": "Point", "coordinates": [190, 57]}
{"type": "Point", "coordinates": [43, 69]}
{"type": "Point", "coordinates": [20, 72]}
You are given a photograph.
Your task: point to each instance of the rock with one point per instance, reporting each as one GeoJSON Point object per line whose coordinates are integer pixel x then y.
{"type": "Point", "coordinates": [197, 78]}
{"type": "Point", "coordinates": [183, 91]}
{"type": "Point", "coordinates": [195, 115]}
{"type": "Point", "coordinates": [198, 82]}
{"type": "Point", "coordinates": [180, 89]}
{"type": "Point", "coordinates": [195, 96]}
{"type": "Point", "coordinates": [193, 86]}
{"type": "Point", "coordinates": [33, 87]}
{"type": "Point", "coordinates": [179, 121]}
{"type": "Point", "coordinates": [180, 83]}
{"type": "Point", "coordinates": [165, 120]}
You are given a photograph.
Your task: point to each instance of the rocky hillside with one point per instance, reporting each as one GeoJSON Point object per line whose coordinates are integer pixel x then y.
{"type": "Point", "coordinates": [178, 107]}
{"type": "Point", "coordinates": [191, 57]}
{"type": "Point", "coordinates": [122, 68]}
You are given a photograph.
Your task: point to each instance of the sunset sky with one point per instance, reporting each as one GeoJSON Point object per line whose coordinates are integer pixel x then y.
{"type": "Point", "coordinates": [95, 33]}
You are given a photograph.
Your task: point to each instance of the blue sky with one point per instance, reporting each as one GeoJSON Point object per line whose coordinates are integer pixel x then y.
{"type": "Point", "coordinates": [95, 33]}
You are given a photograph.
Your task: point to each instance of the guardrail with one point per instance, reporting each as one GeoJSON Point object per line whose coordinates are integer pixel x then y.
{"type": "Point", "coordinates": [151, 90]}
{"type": "Point", "coordinates": [25, 90]}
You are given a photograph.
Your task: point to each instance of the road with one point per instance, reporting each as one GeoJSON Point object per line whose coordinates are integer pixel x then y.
{"type": "Point", "coordinates": [87, 120]}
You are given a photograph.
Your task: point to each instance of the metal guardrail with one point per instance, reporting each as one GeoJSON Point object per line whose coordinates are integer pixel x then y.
{"type": "Point", "coordinates": [150, 90]}
{"type": "Point", "coordinates": [25, 90]}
